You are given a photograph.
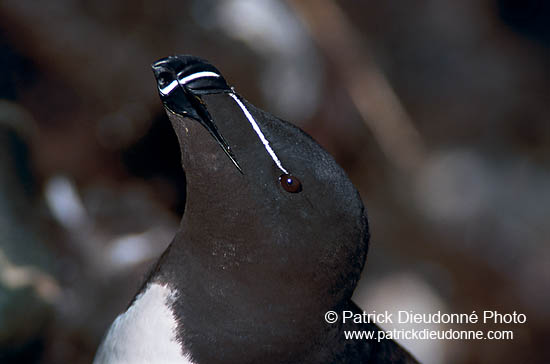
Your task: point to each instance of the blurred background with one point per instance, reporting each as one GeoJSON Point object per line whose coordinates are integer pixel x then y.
{"type": "Point", "coordinates": [439, 111]}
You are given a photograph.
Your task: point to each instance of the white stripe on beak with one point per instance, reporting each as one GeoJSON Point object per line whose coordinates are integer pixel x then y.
{"type": "Point", "coordinates": [166, 90]}
{"type": "Point", "coordinates": [194, 76]}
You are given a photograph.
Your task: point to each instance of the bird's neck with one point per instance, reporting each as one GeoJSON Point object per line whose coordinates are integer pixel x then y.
{"type": "Point", "coordinates": [236, 304]}
{"type": "Point", "coordinates": [241, 282]}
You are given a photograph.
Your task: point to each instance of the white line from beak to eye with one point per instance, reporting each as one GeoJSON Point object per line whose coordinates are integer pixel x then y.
{"type": "Point", "coordinates": [256, 128]}
{"type": "Point", "coordinates": [194, 76]}
{"type": "Point", "coordinates": [166, 90]}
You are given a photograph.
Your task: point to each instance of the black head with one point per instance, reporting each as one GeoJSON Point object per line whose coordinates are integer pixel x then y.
{"type": "Point", "coordinates": [286, 238]}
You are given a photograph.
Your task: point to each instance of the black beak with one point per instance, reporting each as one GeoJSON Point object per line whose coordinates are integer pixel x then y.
{"type": "Point", "coordinates": [181, 81]}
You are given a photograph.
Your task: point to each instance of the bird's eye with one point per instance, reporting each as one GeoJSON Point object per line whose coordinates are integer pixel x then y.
{"type": "Point", "coordinates": [290, 183]}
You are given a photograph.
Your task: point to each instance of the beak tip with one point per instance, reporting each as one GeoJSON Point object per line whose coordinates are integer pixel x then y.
{"type": "Point", "coordinates": [181, 81]}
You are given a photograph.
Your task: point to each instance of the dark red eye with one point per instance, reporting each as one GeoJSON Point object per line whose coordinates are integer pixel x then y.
{"type": "Point", "coordinates": [290, 183]}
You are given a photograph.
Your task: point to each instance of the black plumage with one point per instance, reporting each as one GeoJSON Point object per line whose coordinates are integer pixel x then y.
{"type": "Point", "coordinates": [271, 239]}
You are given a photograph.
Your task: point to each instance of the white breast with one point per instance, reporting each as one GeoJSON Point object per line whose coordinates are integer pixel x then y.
{"type": "Point", "coordinates": [145, 333]}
